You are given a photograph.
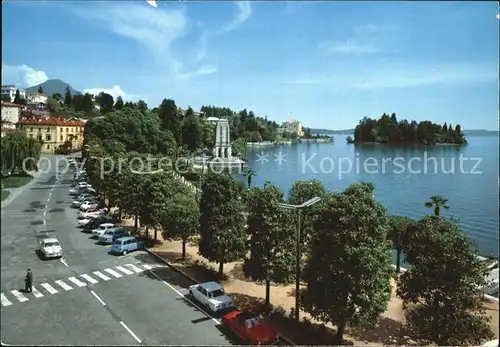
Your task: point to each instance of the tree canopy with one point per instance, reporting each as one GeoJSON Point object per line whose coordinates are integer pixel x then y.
{"type": "Point", "coordinates": [17, 148]}
{"type": "Point", "coordinates": [387, 129]}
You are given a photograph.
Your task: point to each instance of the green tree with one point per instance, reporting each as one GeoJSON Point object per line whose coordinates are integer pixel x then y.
{"type": "Point", "coordinates": [181, 220]}
{"type": "Point", "coordinates": [119, 103]}
{"type": "Point", "coordinates": [349, 267]}
{"type": "Point", "coordinates": [142, 106]}
{"type": "Point", "coordinates": [437, 202]}
{"type": "Point", "coordinates": [18, 99]}
{"type": "Point", "coordinates": [170, 119]}
{"type": "Point", "coordinates": [87, 103]}
{"type": "Point", "coordinates": [57, 96]}
{"type": "Point", "coordinates": [239, 147]}
{"type": "Point", "coordinates": [105, 102]}
{"type": "Point", "coordinates": [439, 290]}
{"type": "Point", "coordinates": [400, 230]}
{"type": "Point", "coordinates": [67, 97]}
{"type": "Point", "coordinates": [17, 148]}
{"type": "Point", "coordinates": [192, 131]}
{"type": "Point", "coordinates": [272, 239]}
{"type": "Point", "coordinates": [40, 89]}
{"type": "Point", "coordinates": [222, 235]}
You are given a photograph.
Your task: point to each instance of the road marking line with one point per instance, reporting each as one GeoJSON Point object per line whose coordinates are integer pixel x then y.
{"type": "Point", "coordinates": [45, 212]}
{"type": "Point", "coordinates": [98, 298]}
{"type": "Point", "coordinates": [113, 272]}
{"type": "Point", "coordinates": [44, 222]}
{"type": "Point", "coordinates": [18, 295]}
{"type": "Point", "coordinates": [125, 271]}
{"type": "Point", "coordinates": [88, 278]}
{"type": "Point", "coordinates": [64, 262]}
{"type": "Point", "coordinates": [133, 267]}
{"type": "Point", "coordinates": [77, 282]}
{"type": "Point", "coordinates": [131, 332]}
{"type": "Point", "coordinates": [49, 288]}
{"type": "Point", "coordinates": [147, 267]}
{"type": "Point", "coordinates": [64, 285]}
{"type": "Point", "coordinates": [48, 200]}
{"type": "Point", "coordinates": [104, 277]}
{"type": "Point", "coordinates": [5, 301]}
{"type": "Point", "coordinates": [36, 293]}
{"type": "Point", "coordinates": [185, 298]}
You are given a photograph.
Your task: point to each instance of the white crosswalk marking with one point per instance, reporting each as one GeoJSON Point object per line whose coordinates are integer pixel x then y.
{"type": "Point", "coordinates": [147, 267]}
{"type": "Point", "coordinates": [133, 267]}
{"type": "Point", "coordinates": [5, 301]}
{"type": "Point", "coordinates": [18, 295]}
{"type": "Point", "coordinates": [77, 282]}
{"type": "Point", "coordinates": [113, 272]}
{"type": "Point", "coordinates": [104, 277]}
{"type": "Point", "coordinates": [64, 285]}
{"type": "Point", "coordinates": [36, 293]}
{"type": "Point", "coordinates": [49, 288]}
{"type": "Point", "coordinates": [88, 278]}
{"type": "Point", "coordinates": [125, 271]}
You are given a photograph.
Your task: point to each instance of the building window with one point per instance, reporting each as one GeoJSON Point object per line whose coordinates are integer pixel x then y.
{"type": "Point", "coordinates": [66, 129]}
{"type": "Point", "coordinates": [76, 137]}
{"type": "Point", "coordinates": [31, 129]}
{"type": "Point", "coordinates": [39, 129]}
{"type": "Point", "coordinates": [48, 129]}
{"type": "Point", "coordinates": [39, 138]}
{"type": "Point", "coordinates": [31, 135]}
{"type": "Point", "coordinates": [48, 146]}
{"type": "Point", "coordinates": [47, 137]}
{"type": "Point", "coordinates": [61, 137]}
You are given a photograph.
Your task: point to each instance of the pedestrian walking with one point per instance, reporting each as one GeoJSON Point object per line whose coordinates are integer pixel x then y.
{"type": "Point", "coordinates": [29, 281]}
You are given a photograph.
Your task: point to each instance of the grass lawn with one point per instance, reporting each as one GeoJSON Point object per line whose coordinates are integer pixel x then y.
{"type": "Point", "coordinates": [16, 181]}
{"type": "Point", "coordinates": [5, 194]}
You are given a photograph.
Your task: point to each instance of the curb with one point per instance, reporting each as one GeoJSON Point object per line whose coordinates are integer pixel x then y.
{"type": "Point", "coordinates": [285, 339]}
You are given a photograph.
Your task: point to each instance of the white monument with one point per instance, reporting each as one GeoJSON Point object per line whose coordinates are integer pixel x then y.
{"type": "Point", "coordinates": [222, 147]}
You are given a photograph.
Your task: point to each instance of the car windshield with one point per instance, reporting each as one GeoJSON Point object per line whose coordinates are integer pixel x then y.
{"type": "Point", "coordinates": [109, 232]}
{"type": "Point", "coordinates": [217, 293]}
{"type": "Point", "coordinates": [118, 242]}
{"type": "Point", "coordinates": [51, 244]}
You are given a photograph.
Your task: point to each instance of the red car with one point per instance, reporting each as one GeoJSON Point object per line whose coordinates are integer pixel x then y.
{"type": "Point", "coordinates": [250, 327]}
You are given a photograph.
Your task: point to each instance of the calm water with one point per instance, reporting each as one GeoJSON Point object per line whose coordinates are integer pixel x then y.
{"type": "Point", "coordinates": [401, 186]}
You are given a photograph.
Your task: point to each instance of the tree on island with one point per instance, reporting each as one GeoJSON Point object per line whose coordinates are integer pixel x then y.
{"type": "Point", "coordinates": [272, 239]}
{"type": "Point", "coordinates": [437, 202]}
{"type": "Point", "coordinates": [440, 288]}
{"type": "Point", "coordinates": [222, 235]}
{"type": "Point", "coordinates": [387, 129]}
{"type": "Point", "coordinates": [349, 269]}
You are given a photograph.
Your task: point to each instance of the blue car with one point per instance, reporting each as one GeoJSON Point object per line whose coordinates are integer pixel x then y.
{"type": "Point", "coordinates": [126, 244]}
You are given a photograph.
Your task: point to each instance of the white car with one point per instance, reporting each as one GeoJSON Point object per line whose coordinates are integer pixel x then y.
{"type": "Point", "coordinates": [85, 221]}
{"type": "Point", "coordinates": [78, 203]}
{"type": "Point", "coordinates": [102, 229]}
{"type": "Point", "coordinates": [50, 248]}
{"type": "Point", "coordinates": [211, 295]}
{"type": "Point", "coordinates": [87, 205]}
{"type": "Point", "coordinates": [93, 212]}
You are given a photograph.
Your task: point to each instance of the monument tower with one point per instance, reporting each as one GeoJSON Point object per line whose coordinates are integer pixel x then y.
{"type": "Point", "coordinates": [222, 148]}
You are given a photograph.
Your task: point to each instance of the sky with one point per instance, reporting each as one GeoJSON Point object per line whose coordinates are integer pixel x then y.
{"type": "Point", "coordinates": [326, 64]}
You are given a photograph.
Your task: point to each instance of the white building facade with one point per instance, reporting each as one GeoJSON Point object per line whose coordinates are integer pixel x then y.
{"type": "Point", "coordinates": [35, 98]}
{"type": "Point", "coordinates": [293, 126]}
{"type": "Point", "coordinates": [10, 114]}
{"type": "Point", "coordinates": [10, 91]}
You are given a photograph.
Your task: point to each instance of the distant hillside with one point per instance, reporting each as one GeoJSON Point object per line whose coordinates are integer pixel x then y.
{"type": "Point", "coordinates": [480, 133]}
{"type": "Point", "coordinates": [51, 87]}
{"type": "Point", "coordinates": [332, 132]}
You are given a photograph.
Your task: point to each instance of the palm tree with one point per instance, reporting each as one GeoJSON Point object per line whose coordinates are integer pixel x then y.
{"type": "Point", "coordinates": [249, 174]}
{"type": "Point", "coordinates": [436, 202]}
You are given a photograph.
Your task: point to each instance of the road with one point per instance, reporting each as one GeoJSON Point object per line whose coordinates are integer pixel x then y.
{"type": "Point", "coordinates": [88, 297]}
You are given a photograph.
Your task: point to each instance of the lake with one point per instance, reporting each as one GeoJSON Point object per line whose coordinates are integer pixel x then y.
{"type": "Point", "coordinates": [404, 178]}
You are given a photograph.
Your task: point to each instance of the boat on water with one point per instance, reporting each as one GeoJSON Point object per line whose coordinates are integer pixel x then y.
{"type": "Point", "coordinates": [491, 285]}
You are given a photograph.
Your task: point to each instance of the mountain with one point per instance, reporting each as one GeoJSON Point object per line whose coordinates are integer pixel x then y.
{"type": "Point", "coordinates": [332, 132]}
{"type": "Point", "coordinates": [51, 87]}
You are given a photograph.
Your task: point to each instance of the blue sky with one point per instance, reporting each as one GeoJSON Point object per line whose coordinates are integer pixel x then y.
{"type": "Point", "coordinates": [328, 63]}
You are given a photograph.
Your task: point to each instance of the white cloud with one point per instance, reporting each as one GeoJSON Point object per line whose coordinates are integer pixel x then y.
{"type": "Point", "coordinates": [114, 91]}
{"type": "Point", "coordinates": [244, 12]}
{"type": "Point", "coordinates": [348, 47]}
{"type": "Point", "coordinates": [204, 70]}
{"type": "Point", "coordinates": [22, 75]}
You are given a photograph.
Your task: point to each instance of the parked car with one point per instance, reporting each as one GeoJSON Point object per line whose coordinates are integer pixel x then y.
{"type": "Point", "coordinates": [84, 221]}
{"type": "Point", "coordinates": [50, 248]}
{"type": "Point", "coordinates": [211, 295]}
{"type": "Point", "coordinates": [96, 221]}
{"type": "Point", "coordinates": [78, 203]}
{"type": "Point", "coordinates": [251, 328]}
{"type": "Point", "coordinates": [111, 235]}
{"type": "Point", "coordinates": [78, 190]}
{"type": "Point", "coordinates": [126, 244]}
{"type": "Point", "coordinates": [93, 212]}
{"type": "Point", "coordinates": [101, 229]}
{"type": "Point", "coordinates": [88, 205]}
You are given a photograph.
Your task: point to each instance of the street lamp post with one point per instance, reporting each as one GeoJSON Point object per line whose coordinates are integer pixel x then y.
{"type": "Point", "coordinates": [299, 208]}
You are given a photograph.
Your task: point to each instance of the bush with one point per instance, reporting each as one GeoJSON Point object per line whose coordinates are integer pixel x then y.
{"type": "Point", "coordinates": [192, 176]}
{"type": "Point", "coordinates": [16, 181]}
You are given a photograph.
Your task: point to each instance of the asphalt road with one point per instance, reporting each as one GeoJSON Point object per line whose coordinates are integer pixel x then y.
{"type": "Point", "coordinates": [88, 297]}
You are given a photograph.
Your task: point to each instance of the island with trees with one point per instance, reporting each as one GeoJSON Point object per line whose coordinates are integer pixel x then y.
{"type": "Point", "coordinates": [389, 130]}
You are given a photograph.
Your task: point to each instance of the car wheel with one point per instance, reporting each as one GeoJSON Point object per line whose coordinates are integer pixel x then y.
{"type": "Point", "coordinates": [124, 252]}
